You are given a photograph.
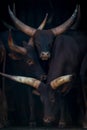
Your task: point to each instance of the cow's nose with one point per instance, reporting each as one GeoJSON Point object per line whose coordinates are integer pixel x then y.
{"type": "Point", "coordinates": [45, 55]}
{"type": "Point", "coordinates": [48, 119]}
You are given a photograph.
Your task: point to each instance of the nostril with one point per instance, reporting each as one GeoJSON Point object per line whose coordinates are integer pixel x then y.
{"type": "Point", "coordinates": [45, 54]}
{"type": "Point", "coordinates": [42, 54]}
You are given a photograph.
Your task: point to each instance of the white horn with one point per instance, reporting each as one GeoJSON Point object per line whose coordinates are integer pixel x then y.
{"type": "Point", "coordinates": [60, 81]}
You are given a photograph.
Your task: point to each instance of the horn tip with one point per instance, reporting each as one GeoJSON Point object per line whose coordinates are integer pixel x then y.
{"type": "Point", "coordinates": [8, 7]}
{"type": "Point", "coordinates": [46, 14]}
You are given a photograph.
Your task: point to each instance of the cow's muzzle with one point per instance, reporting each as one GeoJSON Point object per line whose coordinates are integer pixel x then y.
{"type": "Point", "coordinates": [45, 55]}
{"type": "Point", "coordinates": [48, 119]}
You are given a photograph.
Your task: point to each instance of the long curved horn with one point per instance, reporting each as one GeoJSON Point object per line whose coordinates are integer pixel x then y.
{"type": "Point", "coordinates": [14, 47]}
{"type": "Point", "coordinates": [30, 42]}
{"type": "Point", "coordinates": [25, 80]}
{"type": "Point", "coordinates": [76, 24]}
{"type": "Point", "coordinates": [14, 9]}
{"type": "Point", "coordinates": [60, 81]}
{"type": "Point", "coordinates": [43, 22]}
{"type": "Point", "coordinates": [20, 25]}
{"type": "Point", "coordinates": [63, 27]}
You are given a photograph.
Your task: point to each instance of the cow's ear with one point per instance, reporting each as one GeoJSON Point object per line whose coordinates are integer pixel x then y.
{"type": "Point", "coordinates": [14, 56]}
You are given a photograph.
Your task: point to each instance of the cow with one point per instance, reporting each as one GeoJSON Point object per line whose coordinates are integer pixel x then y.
{"type": "Point", "coordinates": [68, 59]}
{"type": "Point", "coordinates": [44, 39]}
{"type": "Point", "coordinates": [62, 94]}
{"type": "Point", "coordinates": [20, 62]}
{"type": "Point", "coordinates": [26, 66]}
{"type": "Point", "coordinates": [20, 100]}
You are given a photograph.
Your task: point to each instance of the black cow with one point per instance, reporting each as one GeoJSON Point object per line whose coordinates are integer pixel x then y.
{"type": "Point", "coordinates": [19, 61]}
{"type": "Point", "coordinates": [63, 97]}
{"type": "Point", "coordinates": [21, 102]}
{"type": "Point", "coordinates": [43, 39]}
{"type": "Point", "coordinates": [67, 58]}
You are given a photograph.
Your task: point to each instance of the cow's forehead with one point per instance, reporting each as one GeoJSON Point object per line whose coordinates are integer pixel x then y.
{"type": "Point", "coordinates": [43, 32]}
{"type": "Point", "coordinates": [43, 35]}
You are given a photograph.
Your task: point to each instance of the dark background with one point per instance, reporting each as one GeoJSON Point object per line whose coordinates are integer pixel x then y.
{"type": "Point", "coordinates": [32, 12]}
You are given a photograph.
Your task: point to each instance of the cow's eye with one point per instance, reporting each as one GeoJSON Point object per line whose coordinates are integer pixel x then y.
{"type": "Point", "coordinates": [30, 62]}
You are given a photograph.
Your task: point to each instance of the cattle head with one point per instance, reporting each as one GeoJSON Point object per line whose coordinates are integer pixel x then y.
{"type": "Point", "coordinates": [43, 39]}
{"type": "Point", "coordinates": [47, 92]}
{"type": "Point", "coordinates": [23, 56]}
{"type": "Point", "coordinates": [27, 55]}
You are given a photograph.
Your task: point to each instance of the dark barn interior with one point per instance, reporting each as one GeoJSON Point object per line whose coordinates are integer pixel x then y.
{"type": "Point", "coordinates": [32, 13]}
